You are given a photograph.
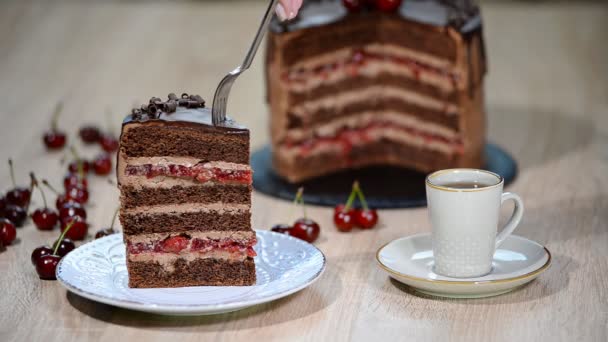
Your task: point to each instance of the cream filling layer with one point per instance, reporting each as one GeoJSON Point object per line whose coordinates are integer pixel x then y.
{"type": "Point", "coordinates": [203, 235]}
{"type": "Point", "coordinates": [167, 260]}
{"type": "Point", "coordinates": [363, 119]}
{"type": "Point", "coordinates": [139, 182]}
{"type": "Point", "coordinates": [222, 208]}
{"type": "Point", "coordinates": [291, 153]}
{"type": "Point", "coordinates": [337, 102]}
{"type": "Point", "coordinates": [371, 68]}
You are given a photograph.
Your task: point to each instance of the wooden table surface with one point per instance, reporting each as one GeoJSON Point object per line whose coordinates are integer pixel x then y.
{"type": "Point", "coordinates": [547, 95]}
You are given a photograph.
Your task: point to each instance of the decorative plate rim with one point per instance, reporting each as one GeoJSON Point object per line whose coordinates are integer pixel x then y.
{"type": "Point", "coordinates": [192, 308]}
{"type": "Point", "coordinates": [530, 274]}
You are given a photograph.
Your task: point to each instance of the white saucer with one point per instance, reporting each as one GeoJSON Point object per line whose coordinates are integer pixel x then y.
{"type": "Point", "coordinates": [410, 260]}
{"type": "Point", "coordinates": [284, 265]}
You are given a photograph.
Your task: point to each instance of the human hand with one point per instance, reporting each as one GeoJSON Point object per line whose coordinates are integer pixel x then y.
{"type": "Point", "coordinates": [288, 9]}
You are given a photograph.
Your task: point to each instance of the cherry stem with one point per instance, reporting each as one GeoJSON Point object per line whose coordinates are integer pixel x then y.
{"type": "Point", "coordinates": [69, 226]}
{"type": "Point", "coordinates": [29, 201]}
{"type": "Point", "coordinates": [359, 192]}
{"type": "Point", "coordinates": [79, 162]}
{"type": "Point", "coordinates": [114, 218]}
{"type": "Point", "coordinates": [55, 117]}
{"type": "Point", "coordinates": [351, 199]}
{"type": "Point", "coordinates": [37, 185]}
{"type": "Point", "coordinates": [300, 200]}
{"type": "Point", "coordinates": [10, 167]}
{"type": "Point", "coordinates": [46, 183]}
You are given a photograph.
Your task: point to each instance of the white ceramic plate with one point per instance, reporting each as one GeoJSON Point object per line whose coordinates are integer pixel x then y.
{"type": "Point", "coordinates": [410, 261]}
{"type": "Point", "coordinates": [97, 271]}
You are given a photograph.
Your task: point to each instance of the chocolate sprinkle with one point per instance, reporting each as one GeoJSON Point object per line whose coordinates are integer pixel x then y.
{"type": "Point", "coordinates": [156, 106]}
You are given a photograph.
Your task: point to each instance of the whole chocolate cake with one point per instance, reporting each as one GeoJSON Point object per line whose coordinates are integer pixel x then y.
{"type": "Point", "coordinates": [350, 88]}
{"type": "Point", "coordinates": [185, 189]}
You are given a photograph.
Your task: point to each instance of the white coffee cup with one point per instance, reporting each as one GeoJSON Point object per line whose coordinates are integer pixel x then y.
{"type": "Point", "coordinates": [464, 207]}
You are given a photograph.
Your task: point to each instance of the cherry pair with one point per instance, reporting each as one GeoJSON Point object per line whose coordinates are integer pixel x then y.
{"type": "Point", "coordinates": [303, 228]}
{"type": "Point", "coordinates": [46, 258]}
{"type": "Point", "coordinates": [14, 205]}
{"type": "Point", "coordinates": [71, 212]}
{"type": "Point", "coordinates": [382, 5]}
{"type": "Point", "coordinates": [92, 135]}
{"type": "Point", "coordinates": [346, 217]}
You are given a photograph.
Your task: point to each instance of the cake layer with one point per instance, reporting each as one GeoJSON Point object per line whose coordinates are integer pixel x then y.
{"type": "Point", "coordinates": [383, 152]}
{"type": "Point", "coordinates": [199, 272]}
{"type": "Point", "coordinates": [359, 81]}
{"type": "Point", "coordinates": [186, 217]}
{"type": "Point", "coordinates": [132, 197]}
{"type": "Point", "coordinates": [364, 29]}
{"type": "Point", "coordinates": [153, 139]}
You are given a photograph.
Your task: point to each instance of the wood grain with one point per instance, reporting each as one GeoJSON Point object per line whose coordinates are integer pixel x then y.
{"type": "Point", "coordinates": [548, 105]}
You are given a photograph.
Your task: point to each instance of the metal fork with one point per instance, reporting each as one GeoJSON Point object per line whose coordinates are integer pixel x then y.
{"type": "Point", "coordinates": [222, 92]}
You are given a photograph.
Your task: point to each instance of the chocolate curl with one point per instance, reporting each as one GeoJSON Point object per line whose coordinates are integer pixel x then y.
{"type": "Point", "coordinates": [173, 97]}
{"type": "Point", "coordinates": [193, 104]}
{"type": "Point", "coordinates": [144, 108]}
{"type": "Point", "coordinates": [155, 100]}
{"type": "Point", "coordinates": [170, 107]}
{"type": "Point", "coordinates": [152, 109]}
{"type": "Point", "coordinates": [198, 99]}
{"type": "Point", "coordinates": [185, 96]}
{"type": "Point", "coordinates": [136, 111]}
{"type": "Point", "coordinates": [183, 103]}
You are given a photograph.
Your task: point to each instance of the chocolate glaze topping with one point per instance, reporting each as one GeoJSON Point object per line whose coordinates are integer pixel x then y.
{"type": "Point", "coordinates": [185, 110]}
{"type": "Point", "coordinates": [462, 15]}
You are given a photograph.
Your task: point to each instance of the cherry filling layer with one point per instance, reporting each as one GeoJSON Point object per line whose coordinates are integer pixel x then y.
{"type": "Point", "coordinates": [184, 243]}
{"type": "Point", "coordinates": [357, 59]}
{"type": "Point", "coordinates": [347, 137]}
{"type": "Point", "coordinates": [201, 172]}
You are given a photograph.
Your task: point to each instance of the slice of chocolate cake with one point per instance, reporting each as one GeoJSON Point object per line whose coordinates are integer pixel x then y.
{"type": "Point", "coordinates": [350, 89]}
{"type": "Point", "coordinates": [185, 196]}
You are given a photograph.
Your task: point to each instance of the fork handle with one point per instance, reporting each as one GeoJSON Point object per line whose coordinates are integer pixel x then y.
{"type": "Point", "coordinates": [259, 35]}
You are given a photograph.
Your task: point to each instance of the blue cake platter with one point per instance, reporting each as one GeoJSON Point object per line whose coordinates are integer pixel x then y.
{"type": "Point", "coordinates": [385, 187]}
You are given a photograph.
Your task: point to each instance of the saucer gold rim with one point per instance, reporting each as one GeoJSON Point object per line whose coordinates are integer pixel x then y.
{"type": "Point", "coordinates": [466, 282]}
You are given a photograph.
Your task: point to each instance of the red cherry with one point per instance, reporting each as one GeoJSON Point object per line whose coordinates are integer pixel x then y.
{"type": "Point", "coordinates": [73, 167]}
{"type": "Point", "coordinates": [65, 246]}
{"type": "Point", "coordinates": [8, 232]}
{"type": "Point", "coordinates": [104, 232]}
{"type": "Point", "coordinates": [45, 218]}
{"type": "Point", "coordinates": [108, 143]}
{"type": "Point", "coordinates": [89, 134]}
{"type": "Point", "coordinates": [388, 5]}
{"type": "Point", "coordinates": [79, 228]}
{"type": "Point", "coordinates": [366, 219]}
{"type": "Point", "coordinates": [353, 5]}
{"type": "Point", "coordinates": [16, 214]}
{"type": "Point", "coordinates": [102, 165]}
{"type": "Point", "coordinates": [54, 140]}
{"type": "Point", "coordinates": [78, 194]}
{"type": "Point", "coordinates": [19, 196]}
{"type": "Point", "coordinates": [73, 179]}
{"type": "Point", "coordinates": [46, 266]}
{"type": "Point", "coordinates": [40, 252]}
{"type": "Point", "coordinates": [71, 209]}
{"type": "Point", "coordinates": [305, 229]}
{"type": "Point", "coordinates": [175, 244]}
{"type": "Point", "coordinates": [344, 221]}
{"type": "Point", "coordinates": [281, 228]}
